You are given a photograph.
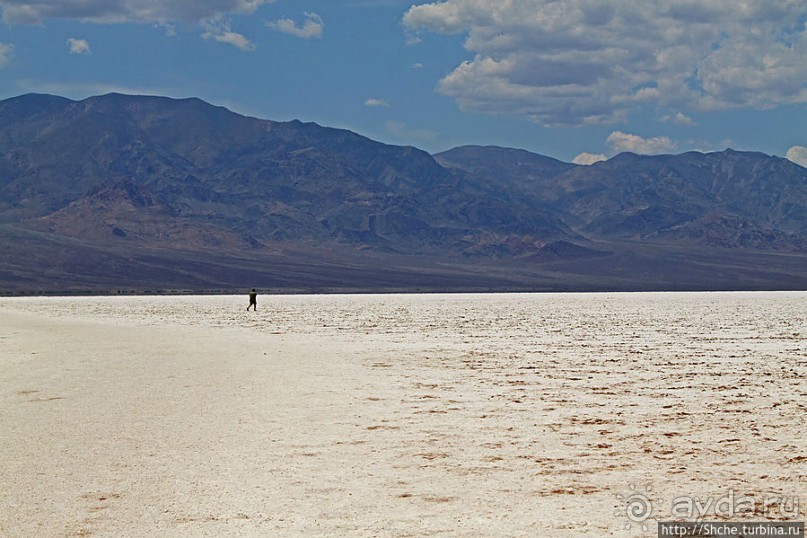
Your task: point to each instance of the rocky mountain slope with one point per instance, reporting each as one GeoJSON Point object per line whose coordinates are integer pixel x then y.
{"type": "Point", "coordinates": [91, 165]}
{"type": "Point", "coordinates": [150, 192]}
{"type": "Point", "coordinates": [729, 198]}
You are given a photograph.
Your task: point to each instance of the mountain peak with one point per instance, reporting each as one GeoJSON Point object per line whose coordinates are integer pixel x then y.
{"type": "Point", "coordinates": [184, 176]}
{"type": "Point", "coordinates": [729, 152]}
{"type": "Point", "coordinates": [31, 105]}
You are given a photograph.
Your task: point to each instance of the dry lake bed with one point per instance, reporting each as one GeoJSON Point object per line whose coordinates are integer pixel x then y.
{"type": "Point", "coordinates": [552, 415]}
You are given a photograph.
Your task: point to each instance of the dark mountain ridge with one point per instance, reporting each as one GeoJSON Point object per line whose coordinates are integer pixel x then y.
{"type": "Point", "coordinates": [192, 188]}
{"type": "Point", "coordinates": [265, 180]}
{"type": "Point", "coordinates": [641, 197]}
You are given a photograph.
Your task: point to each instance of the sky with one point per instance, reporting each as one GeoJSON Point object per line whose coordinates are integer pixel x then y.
{"type": "Point", "coordinates": [578, 80]}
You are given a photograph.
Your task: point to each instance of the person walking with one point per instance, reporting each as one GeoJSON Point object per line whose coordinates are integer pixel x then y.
{"type": "Point", "coordinates": [253, 300]}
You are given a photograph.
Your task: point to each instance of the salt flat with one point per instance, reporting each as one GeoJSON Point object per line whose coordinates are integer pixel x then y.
{"type": "Point", "coordinates": [399, 415]}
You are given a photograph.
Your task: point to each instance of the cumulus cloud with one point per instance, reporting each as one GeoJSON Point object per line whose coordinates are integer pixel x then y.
{"type": "Point", "coordinates": [798, 155]}
{"type": "Point", "coordinates": [6, 50]}
{"type": "Point", "coordinates": [78, 46]}
{"type": "Point", "coordinates": [592, 62]}
{"type": "Point", "coordinates": [312, 27]}
{"type": "Point", "coordinates": [620, 141]}
{"type": "Point", "coordinates": [375, 102]}
{"type": "Point", "coordinates": [219, 30]}
{"type": "Point", "coordinates": [679, 118]}
{"type": "Point", "coordinates": [170, 29]}
{"type": "Point", "coordinates": [589, 158]}
{"type": "Point", "coordinates": [116, 11]}
{"type": "Point", "coordinates": [208, 13]}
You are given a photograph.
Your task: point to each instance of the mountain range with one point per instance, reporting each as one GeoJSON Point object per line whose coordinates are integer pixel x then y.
{"type": "Point", "coordinates": [137, 193]}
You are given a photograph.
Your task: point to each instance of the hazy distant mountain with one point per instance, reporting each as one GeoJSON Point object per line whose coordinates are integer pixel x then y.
{"type": "Point", "coordinates": [730, 198]}
{"type": "Point", "coordinates": [124, 191]}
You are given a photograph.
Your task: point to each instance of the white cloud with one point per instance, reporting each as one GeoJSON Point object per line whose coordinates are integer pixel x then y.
{"type": "Point", "coordinates": [412, 39]}
{"type": "Point", "coordinates": [798, 155]}
{"type": "Point", "coordinates": [208, 13]}
{"type": "Point", "coordinates": [587, 61]}
{"type": "Point", "coordinates": [78, 46]}
{"type": "Point", "coordinates": [589, 158]}
{"type": "Point", "coordinates": [6, 50]}
{"type": "Point", "coordinates": [312, 27]}
{"type": "Point", "coordinates": [170, 29]}
{"type": "Point", "coordinates": [375, 102]}
{"type": "Point", "coordinates": [679, 118]}
{"type": "Point", "coordinates": [219, 30]}
{"type": "Point", "coordinates": [620, 141]}
{"type": "Point", "coordinates": [116, 11]}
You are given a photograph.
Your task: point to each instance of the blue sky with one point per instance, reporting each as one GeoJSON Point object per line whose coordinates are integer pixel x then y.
{"type": "Point", "coordinates": [577, 80]}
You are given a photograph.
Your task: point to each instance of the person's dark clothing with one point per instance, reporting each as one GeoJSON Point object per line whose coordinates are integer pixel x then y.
{"type": "Point", "coordinates": [253, 300]}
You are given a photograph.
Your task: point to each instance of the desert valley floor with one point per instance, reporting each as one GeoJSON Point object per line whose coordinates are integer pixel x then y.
{"type": "Point", "coordinates": [557, 415]}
